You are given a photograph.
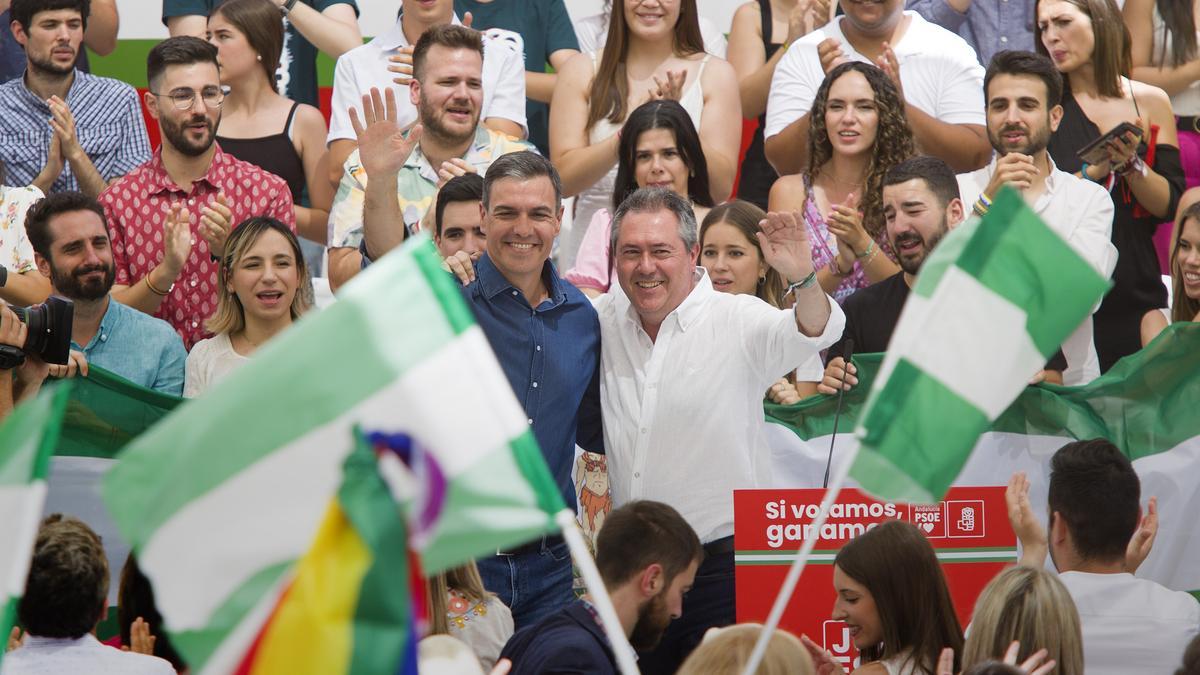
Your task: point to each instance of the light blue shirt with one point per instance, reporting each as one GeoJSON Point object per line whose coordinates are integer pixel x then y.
{"type": "Point", "coordinates": [139, 348]}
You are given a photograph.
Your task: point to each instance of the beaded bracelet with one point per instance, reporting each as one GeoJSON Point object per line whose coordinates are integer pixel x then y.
{"type": "Point", "coordinates": [867, 251]}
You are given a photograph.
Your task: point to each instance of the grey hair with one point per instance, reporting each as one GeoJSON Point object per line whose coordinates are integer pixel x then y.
{"type": "Point", "coordinates": [657, 199]}
{"type": "Point", "coordinates": [523, 165]}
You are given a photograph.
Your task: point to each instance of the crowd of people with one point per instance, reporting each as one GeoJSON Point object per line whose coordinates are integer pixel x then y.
{"type": "Point", "coordinates": [645, 282]}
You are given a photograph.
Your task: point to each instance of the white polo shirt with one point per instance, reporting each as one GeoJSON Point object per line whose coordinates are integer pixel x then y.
{"type": "Point", "coordinates": [683, 415]}
{"type": "Point", "coordinates": [1131, 625]}
{"type": "Point", "coordinates": [362, 68]}
{"type": "Point", "coordinates": [939, 70]}
{"type": "Point", "coordinates": [1081, 212]}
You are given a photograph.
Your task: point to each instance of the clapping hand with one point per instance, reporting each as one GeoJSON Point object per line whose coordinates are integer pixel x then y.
{"type": "Point", "coordinates": [890, 65]}
{"type": "Point", "coordinates": [140, 639]}
{"type": "Point", "coordinates": [216, 222]}
{"type": "Point", "coordinates": [1025, 524]}
{"type": "Point", "coordinates": [63, 123]}
{"type": "Point", "coordinates": [1143, 539]}
{"type": "Point", "coordinates": [382, 146]}
{"type": "Point", "coordinates": [785, 244]}
{"type": "Point", "coordinates": [1031, 666]}
{"type": "Point", "coordinates": [831, 55]}
{"type": "Point", "coordinates": [845, 222]}
{"type": "Point", "coordinates": [177, 238]}
{"type": "Point", "coordinates": [671, 88]}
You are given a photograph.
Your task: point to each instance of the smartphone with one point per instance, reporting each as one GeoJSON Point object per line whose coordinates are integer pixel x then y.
{"type": "Point", "coordinates": [1094, 152]}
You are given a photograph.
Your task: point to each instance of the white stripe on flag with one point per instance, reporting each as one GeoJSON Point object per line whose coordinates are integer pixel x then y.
{"type": "Point", "coordinates": [22, 509]}
{"type": "Point", "coordinates": [234, 646]}
{"type": "Point", "coordinates": [932, 332]}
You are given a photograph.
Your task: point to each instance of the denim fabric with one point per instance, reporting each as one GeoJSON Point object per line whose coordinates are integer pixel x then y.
{"type": "Point", "coordinates": [532, 584]}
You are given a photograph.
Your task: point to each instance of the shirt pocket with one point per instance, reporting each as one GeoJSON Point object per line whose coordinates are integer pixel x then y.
{"type": "Point", "coordinates": [24, 156]}
{"type": "Point", "coordinates": [102, 144]}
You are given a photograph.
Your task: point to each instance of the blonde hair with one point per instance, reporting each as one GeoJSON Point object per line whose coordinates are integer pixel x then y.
{"type": "Point", "coordinates": [1029, 605]}
{"type": "Point", "coordinates": [465, 580]}
{"type": "Point", "coordinates": [725, 651]}
{"type": "Point", "coordinates": [230, 316]}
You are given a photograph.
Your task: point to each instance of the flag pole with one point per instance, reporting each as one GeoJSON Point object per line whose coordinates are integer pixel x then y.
{"type": "Point", "coordinates": [626, 660]}
{"type": "Point", "coordinates": [793, 575]}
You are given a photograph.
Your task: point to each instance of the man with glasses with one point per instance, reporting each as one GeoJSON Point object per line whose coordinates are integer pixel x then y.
{"type": "Point", "coordinates": [61, 128]}
{"type": "Point", "coordinates": [169, 218]}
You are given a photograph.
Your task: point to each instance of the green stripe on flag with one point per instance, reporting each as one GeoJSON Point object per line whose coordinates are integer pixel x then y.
{"type": "Point", "coordinates": [445, 287]}
{"type": "Point", "coordinates": [28, 436]}
{"type": "Point", "coordinates": [199, 645]}
{"type": "Point", "coordinates": [106, 412]}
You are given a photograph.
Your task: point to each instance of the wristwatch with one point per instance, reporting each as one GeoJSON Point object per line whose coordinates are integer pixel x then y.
{"type": "Point", "coordinates": [3, 276]}
{"type": "Point", "coordinates": [286, 7]}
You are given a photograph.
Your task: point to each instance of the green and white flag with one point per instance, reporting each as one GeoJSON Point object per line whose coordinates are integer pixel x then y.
{"type": "Point", "coordinates": [27, 440]}
{"type": "Point", "coordinates": [224, 495]}
{"type": "Point", "coordinates": [993, 302]}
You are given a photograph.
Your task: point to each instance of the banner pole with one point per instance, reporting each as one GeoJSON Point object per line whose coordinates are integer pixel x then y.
{"type": "Point", "coordinates": [626, 659]}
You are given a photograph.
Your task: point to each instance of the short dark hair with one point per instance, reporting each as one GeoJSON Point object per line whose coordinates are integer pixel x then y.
{"type": "Point", "coordinates": [640, 534]}
{"type": "Point", "coordinates": [1095, 490]}
{"type": "Point", "coordinates": [522, 165]}
{"type": "Point", "coordinates": [936, 173]}
{"type": "Point", "coordinates": [23, 11]}
{"type": "Point", "coordinates": [451, 36]}
{"type": "Point", "coordinates": [37, 219]}
{"type": "Point", "coordinates": [182, 50]}
{"type": "Point", "coordinates": [1013, 62]}
{"type": "Point", "coordinates": [68, 580]}
{"type": "Point", "coordinates": [465, 188]}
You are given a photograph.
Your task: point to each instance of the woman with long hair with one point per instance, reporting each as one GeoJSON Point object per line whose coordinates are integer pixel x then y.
{"type": "Point", "coordinates": [892, 594]}
{"type": "Point", "coordinates": [659, 147]}
{"type": "Point", "coordinates": [1185, 274]}
{"type": "Point", "coordinates": [263, 288]}
{"type": "Point", "coordinates": [730, 251]}
{"type": "Point", "coordinates": [726, 651]}
{"type": "Point", "coordinates": [1090, 46]}
{"type": "Point", "coordinates": [461, 607]}
{"type": "Point", "coordinates": [258, 124]}
{"type": "Point", "coordinates": [1031, 606]}
{"type": "Point", "coordinates": [859, 132]}
{"type": "Point", "coordinates": [653, 51]}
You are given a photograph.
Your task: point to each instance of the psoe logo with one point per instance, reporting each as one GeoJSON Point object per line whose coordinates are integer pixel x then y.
{"type": "Point", "coordinates": [930, 518]}
{"type": "Point", "coordinates": [836, 638]}
{"type": "Point", "coordinates": [965, 518]}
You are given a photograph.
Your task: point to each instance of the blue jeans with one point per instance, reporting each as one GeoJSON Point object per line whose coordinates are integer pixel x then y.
{"type": "Point", "coordinates": [533, 583]}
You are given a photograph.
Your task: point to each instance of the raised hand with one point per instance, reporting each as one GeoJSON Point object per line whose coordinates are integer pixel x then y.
{"type": "Point", "coordinates": [785, 244]}
{"type": "Point", "coordinates": [140, 639]}
{"type": "Point", "coordinates": [401, 65]}
{"type": "Point", "coordinates": [216, 222]}
{"type": "Point", "coordinates": [1032, 665]}
{"type": "Point", "coordinates": [63, 123]}
{"type": "Point", "coordinates": [177, 238]}
{"type": "Point", "coordinates": [382, 146]}
{"type": "Point", "coordinates": [1025, 525]}
{"type": "Point", "coordinates": [831, 55]}
{"type": "Point", "coordinates": [671, 88]}
{"type": "Point", "coordinates": [890, 65]}
{"type": "Point", "coordinates": [845, 222]}
{"type": "Point", "coordinates": [1143, 539]}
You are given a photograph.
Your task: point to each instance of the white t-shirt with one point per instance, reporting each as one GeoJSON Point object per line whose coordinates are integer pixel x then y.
{"type": "Point", "coordinates": [362, 68]}
{"type": "Point", "coordinates": [1131, 625]}
{"type": "Point", "coordinates": [209, 362]}
{"type": "Point", "coordinates": [939, 70]}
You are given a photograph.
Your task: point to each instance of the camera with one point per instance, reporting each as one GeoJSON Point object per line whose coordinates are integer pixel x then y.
{"type": "Point", "coordinates": [49, 334]}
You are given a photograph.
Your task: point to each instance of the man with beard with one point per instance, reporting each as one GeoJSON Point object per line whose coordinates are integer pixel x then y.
{"type": "Point", "coordinates": [169, 218]}
{"type": "Point", "coordinates": [61, 128]}
{"type": "Point", "coordinates": [920, 204]}
{"type": "Point", "coordinates": [72, 248]}
{"type": "Point", "coordinates": [371, 217]}
{"type": "Point", "coordinates": [1023, 92]}
{"type": "Point", "coordinates": [647, 555]}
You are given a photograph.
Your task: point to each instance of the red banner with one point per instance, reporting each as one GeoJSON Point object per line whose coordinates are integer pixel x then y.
{"type": "Point", "coordinates": [969, 529]}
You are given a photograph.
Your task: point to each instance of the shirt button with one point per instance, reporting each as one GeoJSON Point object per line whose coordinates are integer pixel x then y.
{"type": "Point", "coordinates": [514, 292]}
{"type": "Point", "coordinates": [1003, 38]}
{"type": "Point", "coordinates": [103, 337]}
{"type": "Point", "coordinates": [535, 385]}
{"type": "Point", "coordinates": [637, 475]}
{"type": "Point", "coordinates": [195, 323]}
{"type": "Point", "coordinates": [530, 420]}
{"type": "Point", "coordinates": [538, 348]}
{"type": "Point", "coordinates": [193, 283]}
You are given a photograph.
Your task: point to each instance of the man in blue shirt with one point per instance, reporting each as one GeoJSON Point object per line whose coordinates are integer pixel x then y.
{"type": "Point", "coordinates": [989, 26]}
{"type": "Point", "coordinates": [547, 339]}
{"type": "Point", "coordinates": [71, 247]}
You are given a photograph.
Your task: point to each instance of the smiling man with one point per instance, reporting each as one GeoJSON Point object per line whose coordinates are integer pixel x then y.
{"type": "Point", "coordinates": [61, 128]}
{"type": "Point", "coordinates": [392, 179]}
{"type": "Point", "coordinates": [684, 368]}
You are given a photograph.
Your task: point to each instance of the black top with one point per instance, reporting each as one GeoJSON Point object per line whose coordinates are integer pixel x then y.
{"type": "Point", "coordinates": [872, 314]}
{"type": "Point", "coordinates": [568, 641]}
{"type": "Point", "coordinates": [757, 176]}
{"type": "Point", "coordinates": [1137, 282]}
{"type": "Point", "coordinates": [274, 153]}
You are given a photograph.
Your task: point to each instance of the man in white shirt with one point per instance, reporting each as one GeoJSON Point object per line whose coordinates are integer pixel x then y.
{"type": "Point", "coordinates": [366, 67]}
{"type": "Point", "coordinates": [937, 73]}
{"type": "Point", "coordinates": [1130, 625]}
{"type": "Point", "coordinates": [1023, 92]}
{"type": "Point", "coordinates": [65, 596]}
{"type": "Point", "coordinates": [683, 371]}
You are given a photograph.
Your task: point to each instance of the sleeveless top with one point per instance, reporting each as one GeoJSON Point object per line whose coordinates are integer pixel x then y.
{"type": "Point", "coordinates": [1137, 284]}
{"type": "Point", "coordinates": [902, 664]}
{"type": "Point", "coordinates": [599, 195]}
{"type": "Point", "coordinates": [274, 153]}
{"type": "Point", "coordinates": [757, 175]}
{"type": "Point", "coordinates": [825, 246]}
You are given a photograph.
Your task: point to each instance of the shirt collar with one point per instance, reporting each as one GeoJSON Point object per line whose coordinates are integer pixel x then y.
{"type": "Point", "coordinates": [75, 83]}
{"type": "Point", "coordinates": [394, 38]}
{"type": "Point", "coordinates": [688, 311]}
{"type": "Point", "coordinates": [493, 283]}
{"type": "Point", "coordinates": [161, 181]}
{"type": "Point", "coordinates": [482, 141]}
{"type": "Point", "coordinates": [107, 323]}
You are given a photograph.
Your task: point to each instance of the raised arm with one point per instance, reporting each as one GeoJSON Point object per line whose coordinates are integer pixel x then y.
{"type": "Point", "coordinates": [749, 58]}
{"type": "Point", "coordinates": [720, 128]}
{"type": "Point", "coordinates": [561, 46]}
{"type": "Point", "coordinates": [102, 27]}
{"type": "Point", "coordinates": [333, 30]}
{"type": "Point", "coordinates": [580, 163]}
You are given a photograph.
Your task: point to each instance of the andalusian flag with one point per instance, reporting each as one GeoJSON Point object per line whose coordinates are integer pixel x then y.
{"type": "Point", "coordinates": [223, 497]}
{"type": "Point", "coordinates": [992, 304]}
{"type": "Point", "coordinates": [27, 439]}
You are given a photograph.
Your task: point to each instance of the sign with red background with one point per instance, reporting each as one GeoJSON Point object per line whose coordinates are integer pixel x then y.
{"type": "Point", "coordinates": [969, 529]}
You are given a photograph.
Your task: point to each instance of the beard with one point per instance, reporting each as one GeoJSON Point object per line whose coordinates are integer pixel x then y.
{"type": "Point", "coordinates": [47, 66]}
{"type": "Point", "coordinates": [653, 619]}
{"type": "Point", "coordinates": [431, 120]}
{"type": "Point", "coordinates": [73, 285]}
{"type": "Point", "coordinates": [176, 134]}
{"type": "Point", "coordinates": [913, 265]}
{"type": "Point", "coordinates": [1036, 139]}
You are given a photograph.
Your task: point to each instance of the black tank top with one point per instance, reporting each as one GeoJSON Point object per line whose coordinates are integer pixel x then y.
{"type": "Point", "coordinates": [274, 153]}
{"type": "Point", "coordinates": [757, 175]}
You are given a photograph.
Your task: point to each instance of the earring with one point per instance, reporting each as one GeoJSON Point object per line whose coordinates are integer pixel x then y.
{"type": "Point", "coordinates": [259, 57]}
{"type": "Point", "coordinates": [762, 280]}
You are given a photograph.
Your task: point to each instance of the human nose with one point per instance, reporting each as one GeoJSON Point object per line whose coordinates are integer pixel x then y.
{"type": "Point", "coordinates": [839, 613]}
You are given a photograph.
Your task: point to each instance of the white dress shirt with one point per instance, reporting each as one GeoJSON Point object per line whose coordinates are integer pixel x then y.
{"type": "Point", "coordinates": [1131, 625]}
{"type": "Point", "coordinates": [60, 656]}
{"type": "Point", "coordinates": [683, 414]}
{"type": "Point", "coordinates": [362, 68]}
{"type": "Point", "coordinates": [1081, 212]}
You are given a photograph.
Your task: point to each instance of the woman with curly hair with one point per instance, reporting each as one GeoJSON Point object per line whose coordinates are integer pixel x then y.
{"type": "Point", "coordinates": [859, 132]}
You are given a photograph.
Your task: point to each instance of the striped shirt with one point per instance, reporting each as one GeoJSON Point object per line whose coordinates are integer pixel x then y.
{"type": "Point", "coordinates": [108, 123]}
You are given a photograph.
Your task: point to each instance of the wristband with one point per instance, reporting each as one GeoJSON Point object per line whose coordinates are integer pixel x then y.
{"type": "Point", "coordinates": [980, 207]}
{"type": "Point", "coordinates": [806, 282]}
{"type": "Point", "coordinates": [867, 251]}
{"type": "Point", "coordinates": [1135, 163]}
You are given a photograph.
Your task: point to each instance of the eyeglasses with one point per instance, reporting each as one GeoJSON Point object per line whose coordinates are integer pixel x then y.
{"type": "Point", "coordinates": [184, 99]}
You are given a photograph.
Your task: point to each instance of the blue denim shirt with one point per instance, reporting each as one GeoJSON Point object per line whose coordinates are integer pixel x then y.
{"type": "Point", "coordinates": [139, 348]}
{"type": "Point", "coordinates": [551, 356]}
